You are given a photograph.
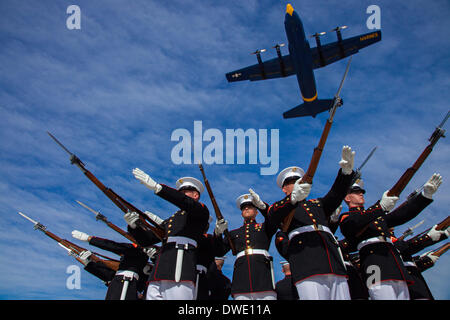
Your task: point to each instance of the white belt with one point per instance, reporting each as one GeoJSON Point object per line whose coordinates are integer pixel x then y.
{"type": "Point", "coordinates": [372, 240]}
{"type": "Point", "coordinates": [182, 240]}
{"type": "Point", "coordinates": [308, 228]}
{"type": "Point", "coordinates": [201, 269]}
{"type": "Point", "coordinates": [409, 264]}
{"type": "Point", "coordinates": [253, 251]}
{"type": "Point", "coordinates": [127, 274]}
{"type": "Point", "coordinates": [181, 244]}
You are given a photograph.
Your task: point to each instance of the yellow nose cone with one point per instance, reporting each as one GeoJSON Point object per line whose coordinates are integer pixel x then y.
{"type": "Point", "coordinates": [289, 9]}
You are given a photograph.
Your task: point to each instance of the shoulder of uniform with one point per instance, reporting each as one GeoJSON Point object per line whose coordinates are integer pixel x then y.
{"type": "Point", "coordinates": [343, 217]}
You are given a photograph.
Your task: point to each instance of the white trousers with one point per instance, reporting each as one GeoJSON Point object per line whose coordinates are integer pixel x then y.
{"type": "Point", "coordinates": [389, 290]}
{"type": "Point", "coordinates": [170, 290]}
{"type": "Point", "coordinates": [270, 295]}
{"type": "Point", "coordinates": [323, 287]}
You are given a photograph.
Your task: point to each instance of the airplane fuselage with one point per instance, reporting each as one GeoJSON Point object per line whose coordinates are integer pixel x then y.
{"type": "Point", "coordinates": [300, 54]}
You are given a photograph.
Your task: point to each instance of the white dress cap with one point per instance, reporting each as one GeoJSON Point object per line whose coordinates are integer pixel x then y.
{"type": "Point", "coordinates": [190, 182]}
{"type": "Point", "coordinates": [243, 199]}
{"type": "Point", "coordinates": [288, 173]}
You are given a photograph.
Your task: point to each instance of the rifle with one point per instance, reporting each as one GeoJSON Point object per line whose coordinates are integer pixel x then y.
{"type": "Point", "coordinates": [441, 250]}
{"type": "Point", "coordinates": [72, 248]}
{"type": "Point", "coordinates": [409, 173]}
{"type": "Point", "coordinates": [443, 224]}
{"type": "Point", "coordinates": [409, 231]}
{"type": "Point", "coordinates": [101, 217]}
{"type": "Point", "coordinates": [440, 226]}
{"type": "Point", "coordinates": [219, 215]}
{"type": "Point", "coordinates": [317, 153]}
{"type": "Point", "coordinates": [114, 197]}
{"type": "Point", "coordinates": [358, 171]}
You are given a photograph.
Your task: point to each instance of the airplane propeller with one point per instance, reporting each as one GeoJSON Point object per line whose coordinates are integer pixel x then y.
{"type": "Point", "coordinates": [278, 45]}
{"type": "Point", "coordinates": [261, 65]}
{"type": "Point", "coordinates": [339, 28]}
{"type": "Point", "coordinates": [338, 32]}
{"type": "Point", "coordinates": [317, 36]}
{"type": "Point", "coordinates": [258, 51]}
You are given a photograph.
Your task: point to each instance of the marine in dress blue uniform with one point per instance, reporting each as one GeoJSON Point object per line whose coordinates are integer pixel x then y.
{"type": "Point", "coordinates": [175, 272]}
{"type": "Point", "coordinates": [370, 229]}
{"type": "Point", "coordinates": [253, 277]}
{"type": "Point", "coordinates": [316, 262]}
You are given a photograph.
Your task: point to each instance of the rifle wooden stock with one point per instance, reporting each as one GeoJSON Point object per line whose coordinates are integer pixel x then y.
{"type": "Point", "coordinates": [440, 226]}
{"type": "Point", "coordinates": [119, 201]}
{"type": "Point", "coordinates": [444, 224]}
{"type": "Point", "coordinates": [109, 262]}
{"type": "Point", "coordinates": [409, 173]}
{"type": "Point", "coordinates": [443, 249]}
{"type": "Point", "coordinates": [219, 215]}
{"type": "Point", "coordinates": [122, 232]}
{"type": "Point", "coordinates": [313, 164]}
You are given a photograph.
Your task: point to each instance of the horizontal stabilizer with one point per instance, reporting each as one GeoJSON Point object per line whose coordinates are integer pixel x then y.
{"type": "Point", "coordinates": [309, 109]}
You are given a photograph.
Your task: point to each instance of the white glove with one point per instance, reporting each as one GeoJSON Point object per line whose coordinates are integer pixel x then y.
{"type": "Point", "coordinates": [80, 235]}
{"type": "Point", "coordinates": [430, 255]}
{"type": "Point", "coordinates": [432, 185]}
{"type": "Point", "coordinates": [256, 200]}
{"type": "Point", "coordinates": [221, 226]}
{"type": "Point", "coordinates": [146, 180]}
{"type": "Point", "coordinates": [150, 252]}
{"type": "Point", "coordinates": [154, 217]}
{"type": "Point", "coordinates": [387, 203]}
{"type": "Point", "coordinates": [300, 191]}
{"type": "Point", "coordinates": [335, 216]}
{"type": "Point", "coordinates": [435, 235]}
{"type": "Point", "coordinates": [348, 160]}
{"type": "Point", "coordinates": [85, 256]}
{"type": "Point", "coordinates": [131, 218]}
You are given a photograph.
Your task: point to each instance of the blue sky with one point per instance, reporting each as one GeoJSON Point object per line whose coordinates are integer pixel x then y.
{"type": "Point", "coordinates": [115, 91]}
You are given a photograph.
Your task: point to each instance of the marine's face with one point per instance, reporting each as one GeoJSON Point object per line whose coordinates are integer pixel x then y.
{"type": "Point", "coordinates": [248, 212]}
{"type": "Point", "coordinates": [288, 187]}
{"type": "Point", "coordinates": [191, 194]}
{"type": "Point", "coordinates": [355, 199]}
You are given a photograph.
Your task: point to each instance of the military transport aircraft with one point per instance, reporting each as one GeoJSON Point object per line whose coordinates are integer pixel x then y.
{"type": "Point", "coordinates": [301, 61]}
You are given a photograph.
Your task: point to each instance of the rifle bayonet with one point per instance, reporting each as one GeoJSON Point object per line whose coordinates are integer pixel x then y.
{"type": "Point", "coordinates": [410, 230]}
{"type": "Point", "coordinates": [37, 225]}
{"type": "Point", "coordinates": [98, 215]}
{"type": "Point", "coordinates": [439, 132]}
{"type": "Point", "coordinates": [358, 171]}
{"type": "Point", "coordinates": [73, 158]}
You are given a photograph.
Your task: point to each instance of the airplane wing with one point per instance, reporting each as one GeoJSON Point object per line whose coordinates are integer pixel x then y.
{"type": "Point", "coordinates": [270, 69]}
{"type": "Point", "coordinates": [335, 51]}
{"type": "Point", "coordinates": [327, 54]}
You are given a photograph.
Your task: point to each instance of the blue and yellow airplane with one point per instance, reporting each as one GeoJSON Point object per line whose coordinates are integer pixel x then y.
{"type": "Point", "coordinates": [302, 60]}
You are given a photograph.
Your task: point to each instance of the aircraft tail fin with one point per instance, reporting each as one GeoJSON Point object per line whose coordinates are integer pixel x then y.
{"type": "Point", "coordinates": [309, 108]}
